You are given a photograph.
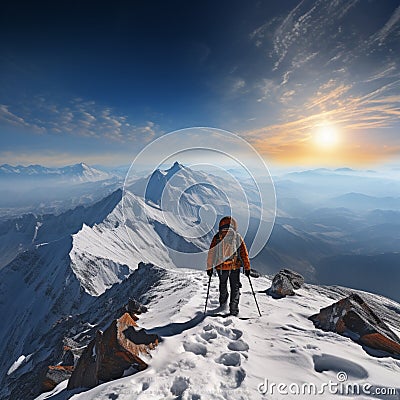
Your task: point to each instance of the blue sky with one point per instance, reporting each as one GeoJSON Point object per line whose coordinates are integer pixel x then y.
{"type": "Point", "coordinates": [306, 83]}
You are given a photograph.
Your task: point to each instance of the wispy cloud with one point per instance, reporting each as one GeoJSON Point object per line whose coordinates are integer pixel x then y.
{"type": "Point", "coordinates": [8, 117]}
{"type": "Point", "coordinates": [76, 117]}
{"type": "Point", "coordinates": [390, 26]}
{"type": "Point", "coordinates": [303, 33]}
{"type": "Point", "coordinates": [323, 71]}
{"type": "Point", "coordinates": [350, 114]}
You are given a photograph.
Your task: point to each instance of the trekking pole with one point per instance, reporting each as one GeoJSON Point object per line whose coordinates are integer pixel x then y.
{"type": "Point", "coordinates": [208, 291]}
{"type": "Point", "coordinates": [251, 285]}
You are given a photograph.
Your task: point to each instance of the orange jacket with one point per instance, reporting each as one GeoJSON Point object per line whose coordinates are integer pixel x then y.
{"type": "Point", "coordinates": [228, 265]}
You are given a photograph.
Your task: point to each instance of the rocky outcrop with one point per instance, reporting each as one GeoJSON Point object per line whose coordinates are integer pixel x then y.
{"type": "Point", "coordinates": [284, 283]}
{"type": "Point", "coordinates": [354, 318]}
{"type": "Point", "coordinates": [112, 352]}
{"type": "Point", "coordinates": [56, 374]}
{"type": "Point", "coordinates": [68, 356]}
{"type": "Point", "coordinates": [134, 307]}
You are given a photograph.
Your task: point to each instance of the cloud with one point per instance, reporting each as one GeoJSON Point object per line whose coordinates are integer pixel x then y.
{"type": "Point", "coordinates": [76, 117]}
{"type": "Point", "coordinates": [7, 117]}
{"type": "Point", "coordinates": [307, 30]}
{"type": "Point", "coordinates": [238, 84]}
{"type": "Point", "coordinates": [387, 71]}
{"type": "Point", "coordinates": [320, 68]}
{"type": "Point", "coordinates": [267, 89]}
{"type": "Point", "coordinates": [334, 103]}
{"type": "Point", "coordinates": [390, 26]}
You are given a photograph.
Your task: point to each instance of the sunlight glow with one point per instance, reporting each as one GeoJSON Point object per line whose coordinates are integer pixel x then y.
{"type": "Point", "coordinates": [326, 137]}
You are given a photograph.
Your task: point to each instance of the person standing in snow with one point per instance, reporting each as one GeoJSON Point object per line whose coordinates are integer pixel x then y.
{"type": "Point", "coordinates": [228, 253]}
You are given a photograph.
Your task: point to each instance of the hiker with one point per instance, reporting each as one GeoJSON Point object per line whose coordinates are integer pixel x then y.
{"type": "Point", "coordinates": [228, 253]}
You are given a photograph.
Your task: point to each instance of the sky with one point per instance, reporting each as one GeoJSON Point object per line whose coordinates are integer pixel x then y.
{"type": "Point", "coordinates": [309, 83]}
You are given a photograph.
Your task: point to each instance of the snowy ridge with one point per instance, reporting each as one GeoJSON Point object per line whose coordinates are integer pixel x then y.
{"type": "Point", "coordinates": [105, 253]}
{"type": "Point", "coordinates": [228, 358]}
{"type": "Point", "coordinates": [194, 189]}
{"type": "Point", "coordinates": [76, 173]}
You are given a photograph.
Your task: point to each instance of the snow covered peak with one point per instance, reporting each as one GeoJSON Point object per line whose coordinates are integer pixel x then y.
{"type": "Point", "coordinates": [170, 171]}
{"type": "Point", "coordinates": [83, 173]}
{"type": "Point", "coordinates": [175, 168]}
{"type": "Point", "coordinates": [76, 173]}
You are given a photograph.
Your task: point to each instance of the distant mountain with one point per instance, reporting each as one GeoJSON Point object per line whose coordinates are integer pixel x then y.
{"type": "Point", "coordinates": [308, 172]}
{"type": "Point", "coordinates": [41, 190]}
{"type": "Point", "coordinates": [345, 169]}
{"type": "Point", "coordinates": [320, 185]}
{"type": "Point", "coordinates": [76, 173]}
{"type": "Point", "coordinates": [362, 202]}
{"type": "Point", "coordinates": [319, 171]}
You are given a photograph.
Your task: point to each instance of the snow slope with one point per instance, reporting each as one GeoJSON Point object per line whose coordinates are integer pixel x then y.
{"type": "Point", "coordinates": [67, 261]}
{"type": "Point", "coordinates": [98, 251]}
{"type": "Point", "coordinates": [228, 358]}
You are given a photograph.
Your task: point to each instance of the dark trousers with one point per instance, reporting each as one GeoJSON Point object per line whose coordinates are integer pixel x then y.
{"type": "Point", "coordinates": [234, 281]}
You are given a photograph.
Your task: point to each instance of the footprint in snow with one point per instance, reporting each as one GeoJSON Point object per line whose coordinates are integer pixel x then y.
{"type": "Point", "coordinates": [232, 377]}
{"type": "Point", "coordinates": [209, 335]}
{"type": "Point", "coordinates": [238, 345]}
{"type": "Point", "coordinates": [179, 385]}
{"type": "Point", "coordinates": [232, 334]}
{"type": "Point", "coordinates": [229, 359]}
{"type": "Point", "coordinates": [196, 348]}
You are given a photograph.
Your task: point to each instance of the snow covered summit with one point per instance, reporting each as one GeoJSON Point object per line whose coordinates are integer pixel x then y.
{"type": "Point", "coordinates": [206, 357]}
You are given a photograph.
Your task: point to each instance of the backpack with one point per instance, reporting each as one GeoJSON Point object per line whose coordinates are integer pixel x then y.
{"type": "Point", "coordinates": [227, 247]}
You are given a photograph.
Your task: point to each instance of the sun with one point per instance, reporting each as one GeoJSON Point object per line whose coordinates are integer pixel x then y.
{"type": "Point", "coordinates": [326, 137]}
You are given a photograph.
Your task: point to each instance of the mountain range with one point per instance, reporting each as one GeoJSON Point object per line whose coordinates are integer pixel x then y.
{"type": "Point", "coordinates": [42, 190]}
{"type": "Point", "coordinates": [61, 272]}
{"type": "Point", "coordinates": [80, 172]}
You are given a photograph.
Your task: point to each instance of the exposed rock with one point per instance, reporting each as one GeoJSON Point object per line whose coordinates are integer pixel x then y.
{"type": "Point", "coordinates": [68, 358]}
{"type": "Point", "coordinates": [284, 283]}
{"type": "Point", "coordinates": [353, 317]}
{"type": "Point", "coordinates": [134, 307]}
{"type": "Point", "coordinates": [55, 375]}
{"type": "Point", "coordinates": [112, 352]}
